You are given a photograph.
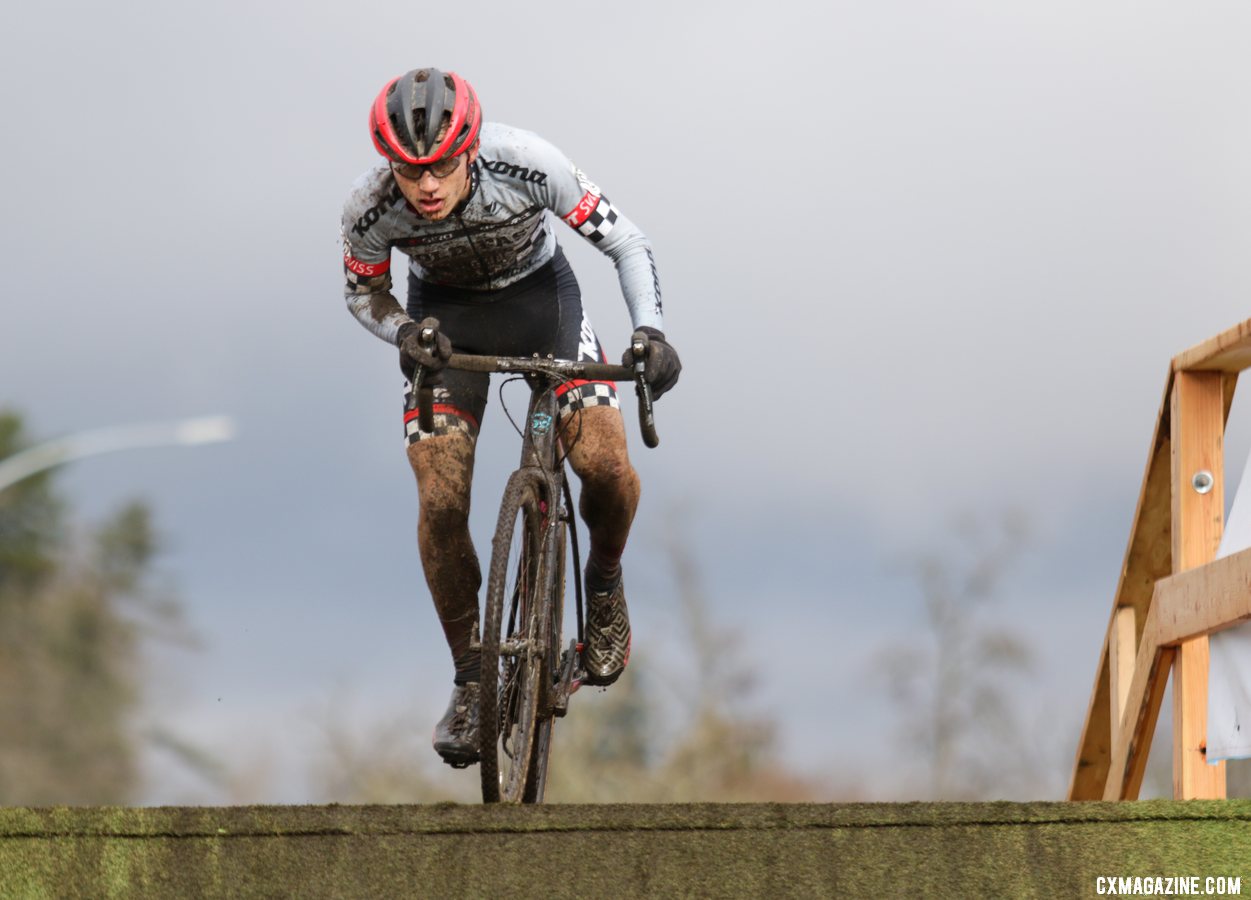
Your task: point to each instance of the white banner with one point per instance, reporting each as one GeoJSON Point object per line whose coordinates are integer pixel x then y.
{"type": "Point", "coordinates": [1229, 672]}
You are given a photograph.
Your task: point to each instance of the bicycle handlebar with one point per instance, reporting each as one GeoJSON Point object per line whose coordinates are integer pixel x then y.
{"type": "Point", "coordinates": [559, 368]}
{"type": "Point", "coordinates": [537, 365]}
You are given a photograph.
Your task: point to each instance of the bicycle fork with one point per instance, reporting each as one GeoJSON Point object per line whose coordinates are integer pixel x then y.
{"type": "Point", "coordinates": [542, 444]}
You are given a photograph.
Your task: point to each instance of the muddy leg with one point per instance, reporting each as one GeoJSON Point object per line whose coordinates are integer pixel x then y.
{"type": "Point", "coordinates": [610, 486]}
{"type": "Point", "coordinates": [444, 469]}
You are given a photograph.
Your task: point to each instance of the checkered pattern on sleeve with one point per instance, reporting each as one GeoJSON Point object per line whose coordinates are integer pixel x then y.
{"type": "Point", "coordinates": [599, 222]}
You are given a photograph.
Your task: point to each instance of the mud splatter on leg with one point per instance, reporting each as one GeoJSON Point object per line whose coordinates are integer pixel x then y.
{"type": "Point", "coordinates": [596, 444]}
{"type": "Point", "coordinates": [443, 466]}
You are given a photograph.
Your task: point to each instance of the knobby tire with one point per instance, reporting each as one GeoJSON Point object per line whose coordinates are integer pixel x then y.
{"type": "Point", "coordinates": [514, 712]}
{"type": "Point", "coordinates": [549, 673]}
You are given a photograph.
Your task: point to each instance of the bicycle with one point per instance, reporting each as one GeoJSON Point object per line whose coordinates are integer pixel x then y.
{"type": "Point", "coordinates": [528, 675]}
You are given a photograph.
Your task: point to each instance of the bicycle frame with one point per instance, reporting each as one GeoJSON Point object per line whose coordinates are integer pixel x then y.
{"type": "Point", "coordinates": [553, 675]}
{"type": "Point", "coordinates": [541, 450]}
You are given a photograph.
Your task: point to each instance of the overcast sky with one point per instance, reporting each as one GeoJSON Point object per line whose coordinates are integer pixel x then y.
{"type": "Point", "coordinates": [921, 260]}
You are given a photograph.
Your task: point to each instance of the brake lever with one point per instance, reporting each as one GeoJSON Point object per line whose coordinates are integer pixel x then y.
{"type": "Point", "coordinates": [647, 417]}
{"type": "Point", "coordinates": [423, 394]}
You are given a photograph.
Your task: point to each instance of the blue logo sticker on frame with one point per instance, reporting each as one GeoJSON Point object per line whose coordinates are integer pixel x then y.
{"type": "Point", "coordinates": [540, 422]}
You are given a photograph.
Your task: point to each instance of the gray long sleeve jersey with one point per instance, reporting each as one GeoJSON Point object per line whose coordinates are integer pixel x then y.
{"type": "Point", "coordinates": [496, 237]}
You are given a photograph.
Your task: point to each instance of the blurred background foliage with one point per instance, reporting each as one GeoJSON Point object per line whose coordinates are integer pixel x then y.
{"type": "Point", "coordinates": [76, 604]}
{"type": "Point", "coordinates": [83, 605]}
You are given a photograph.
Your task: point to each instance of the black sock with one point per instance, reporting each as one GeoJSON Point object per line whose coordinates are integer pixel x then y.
{"type": "Point", "coordinates": [599, 579]}
{"type": "Point", "coordinates": [469, 668]}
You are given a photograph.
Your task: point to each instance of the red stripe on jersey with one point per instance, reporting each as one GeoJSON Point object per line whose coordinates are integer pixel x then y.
{"type": "Point", "coordinates": [578, 382]}
{"type": "Point", "coordinates": [445, 409]}
{"type": "Point", "coordinates": [363, 268]}
{"type": "Point", "coordinates": [583, 210]}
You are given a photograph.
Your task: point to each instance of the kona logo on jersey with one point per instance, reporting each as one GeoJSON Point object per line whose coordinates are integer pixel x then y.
{"type": "Point", "coordinates": [374, 213]}
{"type": "Point", "coordinates": [583, 210]}
{"type": "Point", "coordinates": [521, 173]}
{"type": "Point", "coordinates": [655, 279]}
{"type": "Point", "coordinates": [369, 270]}
{"type": "Point", "coordinates": [588, 346]}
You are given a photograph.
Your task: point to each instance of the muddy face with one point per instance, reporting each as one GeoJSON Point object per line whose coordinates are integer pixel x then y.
{"type": "Point", "coordinates": [436, 198]}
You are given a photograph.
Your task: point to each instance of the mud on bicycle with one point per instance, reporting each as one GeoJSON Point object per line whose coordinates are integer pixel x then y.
{"type": "Point", "coordinates": [528, 672]}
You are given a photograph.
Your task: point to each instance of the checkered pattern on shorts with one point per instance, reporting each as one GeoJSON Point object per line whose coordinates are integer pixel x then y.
{"type": "Point", "coordinates": [444, 423]}
{"type": "Point", "coordinates": [585, 394]}
{"type": "Point", "coordinates": [447, 418]}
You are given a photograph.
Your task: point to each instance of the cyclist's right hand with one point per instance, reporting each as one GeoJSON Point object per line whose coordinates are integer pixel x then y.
{"type": "Point", "coordinates": [413, 352]}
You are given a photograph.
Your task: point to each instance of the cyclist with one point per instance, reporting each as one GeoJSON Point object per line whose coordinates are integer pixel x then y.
{"type": "Point", "coordinates": [465, 201]}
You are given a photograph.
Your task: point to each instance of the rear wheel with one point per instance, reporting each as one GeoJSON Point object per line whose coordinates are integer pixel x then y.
{"type": "Point", "coordinates": [514, 645]}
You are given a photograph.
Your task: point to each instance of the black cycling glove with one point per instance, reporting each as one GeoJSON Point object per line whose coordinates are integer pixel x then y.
{"type": "Point", "coordinates": [662, 365]}
{"type": "Point", "coordinates": [413, 352]}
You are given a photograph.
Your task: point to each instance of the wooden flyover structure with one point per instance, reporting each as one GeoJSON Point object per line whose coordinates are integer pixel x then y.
{"type": "Point", "coordinates": [1171, 594]}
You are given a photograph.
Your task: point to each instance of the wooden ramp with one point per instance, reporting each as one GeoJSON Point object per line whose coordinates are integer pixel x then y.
{"type": "Point", "coordinates": [708, 850]}
{"type": "Point", "coordinates": [1171, 595]}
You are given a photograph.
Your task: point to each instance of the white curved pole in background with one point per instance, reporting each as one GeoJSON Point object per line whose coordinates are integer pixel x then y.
{"type": "Point", "coordinates": [187, 432]}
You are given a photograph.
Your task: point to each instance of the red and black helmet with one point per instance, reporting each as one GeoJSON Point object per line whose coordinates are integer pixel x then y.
{"type": "Point", "coordinates": [406, 118]}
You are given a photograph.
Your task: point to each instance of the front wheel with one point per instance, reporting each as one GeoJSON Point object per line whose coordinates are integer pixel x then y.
{"type": "Point", "coordinates": [514, 638]}
{"type": "Point", "coordinates": [549, 673]}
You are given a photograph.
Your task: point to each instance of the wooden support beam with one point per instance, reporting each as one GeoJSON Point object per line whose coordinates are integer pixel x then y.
{"type": "Point", "coordinates": [1122, 646]}
{"type": "Point", "coordinates": [1229, 351]}
{"type": "Point", "coordinates": [1148, 558]}
{"type": "Point", "coordinates": [1128, 757]}
{"type": "Point", "coordinates": [1193, 778]}
{"type": "Point", "coordinates": [1188, 605]}
{"type": "Point", "coordinates": [1100, 769]}
{"type": "Point", "coordinates": [1201, 601]}
{"type": "Point", "coordinates": [1198, 519]}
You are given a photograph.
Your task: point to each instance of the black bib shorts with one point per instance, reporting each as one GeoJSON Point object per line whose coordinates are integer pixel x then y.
{"type": "Point", "coordinates": [542, 313]}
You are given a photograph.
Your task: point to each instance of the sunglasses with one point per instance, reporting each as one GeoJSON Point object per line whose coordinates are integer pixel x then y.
{"type": "Point", "coordinates": [439, 169]}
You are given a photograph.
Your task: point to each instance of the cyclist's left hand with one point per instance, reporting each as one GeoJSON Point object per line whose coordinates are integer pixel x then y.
{"type": "Point", "coordinates": [662, 365]}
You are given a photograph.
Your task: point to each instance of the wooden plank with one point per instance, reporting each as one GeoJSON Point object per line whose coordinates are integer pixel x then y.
{"type": "Point", "coordinates": [1229, 351]}
{"type": "Point", "coordinates": [1148, 558]}
{"type": "Point", "coordinates": [1129, 752]}
{"type": "Point", "coordinates": [1122, 646]}
{"type": "Point", "coordinates": [1198, 520]}
{"type": "Point", "coordinates": [1201, 601]}
{"type": "Point", "coordinates": [1139, 750]}
{"type": "Point", "coordinates": [1094, 749]}
{"type": "Point", "coordinates": [1193, 778]}
{"type": "Point", "coordinates": [1187, 605]}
